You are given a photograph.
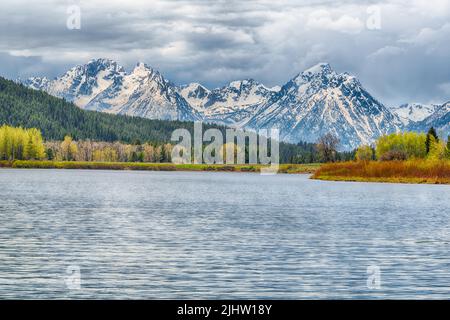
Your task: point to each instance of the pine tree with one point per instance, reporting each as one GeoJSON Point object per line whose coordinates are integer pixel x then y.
{"type": "Point", "coordinates": [431, 133]}
{"type": "Point", "coordinates": [50, 154]}
{"type": "Point", "coordinates": [447, 151]}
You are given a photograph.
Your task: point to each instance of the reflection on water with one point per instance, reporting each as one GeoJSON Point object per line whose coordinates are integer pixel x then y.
{"type": "Point", "coordinates": [218, 235]}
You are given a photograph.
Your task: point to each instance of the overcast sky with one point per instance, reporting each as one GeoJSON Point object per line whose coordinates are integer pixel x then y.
{"type": "Point", "coordinates": [399, 49]}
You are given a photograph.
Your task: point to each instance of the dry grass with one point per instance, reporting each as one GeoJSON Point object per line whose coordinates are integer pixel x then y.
{"type": "Point", "coordinates": [411, 171]}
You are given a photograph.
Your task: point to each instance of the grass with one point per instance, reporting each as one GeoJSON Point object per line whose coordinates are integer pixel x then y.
{"type": "Point", "coordinates": [31, 164]}
{"type": "Point", "coordinates": [411, 171]}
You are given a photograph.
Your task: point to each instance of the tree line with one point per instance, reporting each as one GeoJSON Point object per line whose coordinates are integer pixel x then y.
{"type": "Point", "coordinates": [406, 145]}
{"type": "Point", "coordinates": [57, 118]}
{"type": "Point", "coordinates": [21, 144]}
{"type": "Point", "coordinates": [28, 144]}
{"type": "Point", "coordinates": [87, 150]}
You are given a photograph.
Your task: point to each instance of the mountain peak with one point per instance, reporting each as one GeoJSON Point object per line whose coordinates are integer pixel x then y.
{"type": "Point", "coordinates": [239, 83]}
{"type": "Point", "coordinates": [320, 68]}
{"type": "Point", "coordinates": [102, 64]}
{"type": "Point", "coordinates": [143, 70]}
{"type": "Point", "coordinates": [194, 86]}
{"type": "Point", "coordinates": [141, 66]}
{"type": "Point", "coordinates": [318, 73]}
{"type": "Point", "coordinates": [104, 61]}
{"type": "Point", "coordinates": [414, 112]}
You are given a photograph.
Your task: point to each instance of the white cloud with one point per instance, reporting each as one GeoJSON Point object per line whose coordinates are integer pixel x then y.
{"type": "Point", "coordinates": [322, 19]}
{"type": "Point", "coordinates": [214, 42]}
{"type": "Point", "coordinates": [427, 36]}
{"type": "Point", "coordinates": [387, 51]}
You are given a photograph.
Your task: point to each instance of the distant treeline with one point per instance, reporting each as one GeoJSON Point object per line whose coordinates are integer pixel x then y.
{"type": "Point", "coordinates": [57, 118]}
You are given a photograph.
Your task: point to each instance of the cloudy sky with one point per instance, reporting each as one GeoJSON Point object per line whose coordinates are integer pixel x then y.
{"type": "Point", "coordinates": [400, 49]}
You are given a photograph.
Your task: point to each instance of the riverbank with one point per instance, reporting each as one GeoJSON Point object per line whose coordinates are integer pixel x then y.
{"type": "Point", "coordinates": [28, 164]}
{"type": "Point", "coordinates": [414, 171]}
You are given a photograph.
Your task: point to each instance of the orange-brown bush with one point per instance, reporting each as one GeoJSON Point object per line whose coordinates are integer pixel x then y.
{"type": "Point", "coordinates": [413, 171]}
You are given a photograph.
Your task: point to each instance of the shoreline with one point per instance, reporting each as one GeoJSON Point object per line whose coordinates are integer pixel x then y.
{"type": "Point", "coordinates": [142, 166]}
{"type": "Point", "coordinates": [371, 172]}
{"type": "Point", "coordinates": [398, 180]}
{"type": "Point", "coordinates": [406, 172]}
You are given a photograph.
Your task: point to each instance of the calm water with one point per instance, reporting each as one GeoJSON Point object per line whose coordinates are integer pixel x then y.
{"type": "Point", "coordinates": [218, 235]}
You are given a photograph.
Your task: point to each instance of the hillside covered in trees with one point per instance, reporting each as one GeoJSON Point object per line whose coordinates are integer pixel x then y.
{"type": "Point", "coordinates": [57, 118]}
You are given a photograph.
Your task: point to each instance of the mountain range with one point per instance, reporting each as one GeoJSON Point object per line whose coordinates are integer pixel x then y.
{"type": "Point", "coordinates": [315, 102]}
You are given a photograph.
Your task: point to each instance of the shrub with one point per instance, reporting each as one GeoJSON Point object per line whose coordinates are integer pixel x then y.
{"type": "Point", "coordinates": [394, 155]}
{"type": "Point", "coordinates": [364, 153]}
{"type": "Point", "coordinates": [401, 146]}
{"type": "Point", "coordinates": [415, 171]}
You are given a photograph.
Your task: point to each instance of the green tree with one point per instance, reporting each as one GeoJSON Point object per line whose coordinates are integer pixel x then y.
{"type": "Point", "coordinates": [401, 146]}
{"type": "Point", "coordinates": [447, 150]}
{"type": "Point", "coordinates": [437, 149]}
{"type": "Point", "coordinates": [431, 135]}
{"type": "Point", "coordinates": [50, 154]}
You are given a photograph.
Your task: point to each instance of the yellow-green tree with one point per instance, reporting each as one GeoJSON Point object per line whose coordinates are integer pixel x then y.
{"type": "Point", "coordinates": [34, 148]}
{"type": "Point", "coordinates": [436, 148]}
{"type": "Point", "coordinates": [69, 149]}
{"type": "Point", "coordinates": [19, 144]}
{"type": "Point", "coordinates": [107, 154]}
{"type": "Point", "coordinates": [408, 144]}
{"type": "Point", "coordinates": [110, 154]}
{"type": "Point", "coordinates": [364, 153]}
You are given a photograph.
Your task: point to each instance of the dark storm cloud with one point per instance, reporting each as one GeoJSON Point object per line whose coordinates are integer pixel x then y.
{"type": "Point", "coordinates": [215, 42]}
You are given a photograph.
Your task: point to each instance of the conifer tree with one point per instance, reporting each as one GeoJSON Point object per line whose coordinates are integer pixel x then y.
{"type": "Point", "coordinates": [431, 134]}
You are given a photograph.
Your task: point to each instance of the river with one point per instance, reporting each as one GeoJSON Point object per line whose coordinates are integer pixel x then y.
{"type": "Point", "coordinates": [203, 235]}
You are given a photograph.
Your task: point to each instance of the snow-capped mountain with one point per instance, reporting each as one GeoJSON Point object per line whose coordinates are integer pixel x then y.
{"type": "Point", "coordinates": [414, 112]}
{"type": "Point", "coordinates": [103, 85]}
{"type": "Point", "coordinates": [315, 102]}
{"type": "Point", "coordinates": [81, 83]}
{"type": "Point", "coordinates": [440, 120]}
{"type": "Point", "coordinates": [228, 105]}
{"type": "Point", "coordinates": [318, 101]}
{"type": "Point", "coordinates": [143, 93]}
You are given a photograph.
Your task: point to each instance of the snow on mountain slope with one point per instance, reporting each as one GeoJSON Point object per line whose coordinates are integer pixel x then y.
{"type": "Point", "coordinates": [37, 83]}
{"type": "Point", "coordinates": [440, 120]}
{"type": "Point", "coordinates": [228, 105]}
{"type": "Point", "coordinates": [81, 83]}
{"type": "Point", "coordinates": [143, 93]}
{"type": "Point", "coordinates": [414, 112]}
{"type": "Point", "coordinates": [196, 94]}
{"type": "Point", "coordinates": [103, 85]}
{"type": "Point", "coordinates": [319, 101]}
{"type": "Point", "coordinates": [315, 102]}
